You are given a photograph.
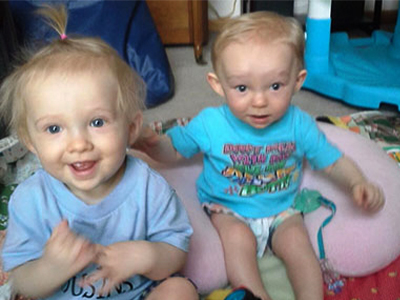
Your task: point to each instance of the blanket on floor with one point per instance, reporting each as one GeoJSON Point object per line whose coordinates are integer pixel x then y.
{"type": "Point", "coordinates": [382, 128]}
{"type": "Point", "coordinates": [382, 285]}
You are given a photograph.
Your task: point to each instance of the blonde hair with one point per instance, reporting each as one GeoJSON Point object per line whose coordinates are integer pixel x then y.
{"type": "Point", "coordinates": [68, 56]}
{"type": "Point", "coordinates": [264, 26]}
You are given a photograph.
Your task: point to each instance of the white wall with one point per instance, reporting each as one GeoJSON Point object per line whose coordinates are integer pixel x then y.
{"type": "Point", "coordinates": [224, 8]}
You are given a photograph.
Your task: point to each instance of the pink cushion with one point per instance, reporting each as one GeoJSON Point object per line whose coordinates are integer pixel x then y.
{"type": "Point", "coordinates": [205, 266]}
{"type": "Point", "coordinates": [356, 243]}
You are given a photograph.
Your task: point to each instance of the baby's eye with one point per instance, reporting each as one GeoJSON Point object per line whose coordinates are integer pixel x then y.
{"type": "Point", "coordinates": [275, 86]}
{"type": "Point", "coordinates": [53, 129]}
{"type": "Point", "coordinates": [241, 88]}
{"type": "Point", "coordinates": [97, 123]}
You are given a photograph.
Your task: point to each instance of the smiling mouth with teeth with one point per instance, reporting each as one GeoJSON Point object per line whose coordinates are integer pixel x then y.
{"type": "Point", "coordinates": [82, 165]}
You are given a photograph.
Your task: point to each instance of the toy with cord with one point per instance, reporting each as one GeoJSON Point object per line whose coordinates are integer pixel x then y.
{"type": "Point", "coordinates": [361, 71]}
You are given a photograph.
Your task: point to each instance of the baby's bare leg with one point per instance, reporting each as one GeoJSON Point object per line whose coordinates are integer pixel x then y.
{"type": "Point", "coordinates": [291, 243]}
{"type": "Point", "coordinates": [240, 252]}
{"type": "Point", "coordinates": [174, 288]}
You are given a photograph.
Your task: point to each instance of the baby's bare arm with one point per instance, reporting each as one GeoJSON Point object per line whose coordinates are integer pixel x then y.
{"type": "Point", "coordinates": [122, 260]}
{"type": "Point", "coordinates": [365, 194]}
{"type": "Point", "coordinates": [65, 254]}
{"type": "Point", "coordinates": [158, 147]}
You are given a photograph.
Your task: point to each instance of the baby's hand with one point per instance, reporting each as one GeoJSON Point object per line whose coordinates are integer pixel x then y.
{"type": "Point", "coordinates": [115, 265]}
{"type": "Point", "coordinates": [67, 251]}
{"type": "Point", "coordinates": [368, 196]}
{"type": "Point", "coordinates": [147, 139]}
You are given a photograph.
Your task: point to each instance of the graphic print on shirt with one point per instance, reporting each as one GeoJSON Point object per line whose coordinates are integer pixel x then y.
{"type": "Point", "coordinates": [73, 288]}
{"type": "Point", "coordinates": [259, 169]}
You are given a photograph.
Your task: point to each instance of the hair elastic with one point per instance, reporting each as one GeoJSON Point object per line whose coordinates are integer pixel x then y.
{"type": "Point", "coordinates": [63, 36]}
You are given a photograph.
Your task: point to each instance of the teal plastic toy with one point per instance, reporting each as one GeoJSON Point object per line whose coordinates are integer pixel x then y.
{"type": "Point", "coordinates": [307, 201]}
{"type": "Point", "coordinates": [363, 72]}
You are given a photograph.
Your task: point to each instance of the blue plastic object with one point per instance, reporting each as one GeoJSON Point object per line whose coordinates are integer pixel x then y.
{"type": "Point", "coordinates": [125, 25]}
{"type": "Point", "coordinates": [363, 72]}
{"type": "Point", "coordinates": [241, 294]}
{"type": "Point", "coordinates": [236, 295]}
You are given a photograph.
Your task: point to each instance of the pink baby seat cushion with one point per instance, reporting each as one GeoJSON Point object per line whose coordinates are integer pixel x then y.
{"type": "Point", "coordinates": [356, 243]}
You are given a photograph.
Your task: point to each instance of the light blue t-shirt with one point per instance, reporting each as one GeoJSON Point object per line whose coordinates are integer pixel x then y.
{"type": "Point", "coordinates": [254, 172]}
{"type": "Point", "coordinates": [141, 207]}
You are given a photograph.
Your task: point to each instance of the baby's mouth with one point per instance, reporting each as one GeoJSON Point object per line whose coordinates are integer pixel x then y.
{"type": "Point", "coordinates": [83, 165]}
{"type": "Point", "coordinates": [260, 117]}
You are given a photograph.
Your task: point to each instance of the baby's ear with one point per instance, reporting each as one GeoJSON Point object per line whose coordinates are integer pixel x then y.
{"type": "Point", "coordinates": [215, 84]}
{"type": "Point", "coordinates": [300, 79]}
{"type": "Point", "coordinates": [135, 127]}
{"type": "Point", "coordinates": [26, 140]}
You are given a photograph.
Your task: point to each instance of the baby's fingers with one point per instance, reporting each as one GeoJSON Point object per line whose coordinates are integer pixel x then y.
{"type": "Point", "coordinates": [60, 232]}
{"type": "Point", "coordinates": [148, 138]}
{"type": "Point", "coordinates": [92, 278]}
{"type": "Point", "coordinates": [101, 276]}
{"type": "Point", "coordinates": [377, 202]}
{"type": "Point", "coordinates": [108, 285]}
{"type": "Point", "coordinates": [369, 197]}
{"type": "Point", "coordinates": [60, 240]}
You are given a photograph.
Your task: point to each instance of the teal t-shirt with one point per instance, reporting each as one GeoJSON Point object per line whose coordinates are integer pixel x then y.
{"type": "Point", "coordinates": [254, 172]}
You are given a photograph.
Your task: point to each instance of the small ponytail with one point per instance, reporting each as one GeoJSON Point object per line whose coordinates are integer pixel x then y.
{"type": "Point", "coordinates": [56, 17]}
